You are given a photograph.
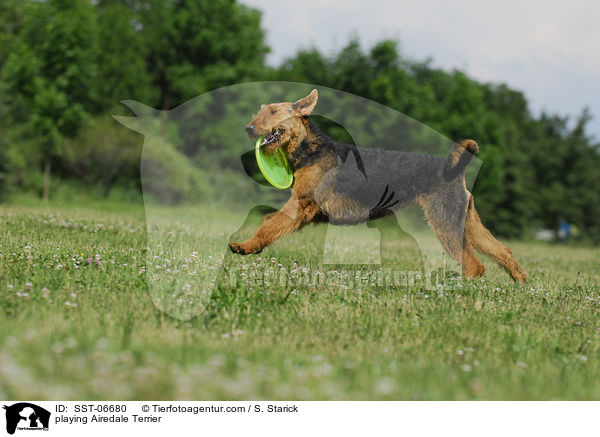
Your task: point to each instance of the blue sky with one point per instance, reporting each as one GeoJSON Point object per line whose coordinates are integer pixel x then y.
{"type": "Point", "coordinates": [548, 50]}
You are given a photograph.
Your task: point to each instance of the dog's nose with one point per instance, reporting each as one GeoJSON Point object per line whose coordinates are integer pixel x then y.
{"type": "Point", "coordinates": [250, 129]}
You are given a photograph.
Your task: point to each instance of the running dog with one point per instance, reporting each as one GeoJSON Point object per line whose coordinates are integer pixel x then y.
{"type": "Point", "coordinates": [326, 189]}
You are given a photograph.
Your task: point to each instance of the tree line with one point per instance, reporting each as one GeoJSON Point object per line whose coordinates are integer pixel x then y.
{"type": "Point", "coordinates": [65, 65]}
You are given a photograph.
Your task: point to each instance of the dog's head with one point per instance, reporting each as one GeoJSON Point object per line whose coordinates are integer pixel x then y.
{"type": "Point", "coordinates": [282, 124]}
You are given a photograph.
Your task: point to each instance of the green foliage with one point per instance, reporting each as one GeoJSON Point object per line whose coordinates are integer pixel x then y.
{"type": "Point", "coordinates": [195, 46]}
{"type": "Point", "coordinates": [4, 172]}
{"type": "Point", "coordinates": [121, 63]}
{"type": "Point", "coordinates": [168, 176]}
{"type": "Point", "coordinates": [64, 65]}
{"type": "Point", "coordinates": [51, 66]}
{"type": "Point", "coordinates": [49, 71]}
{"type": "Point", "coordinates": [102, 154]}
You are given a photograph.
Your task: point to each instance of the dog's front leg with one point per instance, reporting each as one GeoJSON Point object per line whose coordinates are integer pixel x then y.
{"type": "Point", "coordinates": [293, 215]}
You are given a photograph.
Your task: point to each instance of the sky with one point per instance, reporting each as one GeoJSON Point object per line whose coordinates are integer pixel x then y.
{"type": "Point", "coordinates": [547, 49]}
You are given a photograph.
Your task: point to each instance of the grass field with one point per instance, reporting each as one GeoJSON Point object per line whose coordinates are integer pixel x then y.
{"type": "Point", "coordinates": [77, 322]}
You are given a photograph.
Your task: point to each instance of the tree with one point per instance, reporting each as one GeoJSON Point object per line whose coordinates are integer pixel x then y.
{"type": "Point", "coordinates": [121, 63]}
{"type": "Point", "coordinates": [52, 70]}
{"type": "Point", "coordinates": [308, 66]}
{"type": "Point", "coordinates": [195, 46]}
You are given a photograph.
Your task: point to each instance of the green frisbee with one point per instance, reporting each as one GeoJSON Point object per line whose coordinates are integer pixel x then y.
{"type": "Point", "coordinates": [275, 168]}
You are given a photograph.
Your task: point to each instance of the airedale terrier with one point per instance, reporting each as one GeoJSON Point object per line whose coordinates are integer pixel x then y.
{"type": "Point", "coordinates": [324, 189]}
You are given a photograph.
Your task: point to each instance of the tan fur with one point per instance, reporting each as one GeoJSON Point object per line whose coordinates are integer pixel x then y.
{"type": "Point", "coordinates": [483, 241]}
{"type": "Point", "coordinates": [293, 215]}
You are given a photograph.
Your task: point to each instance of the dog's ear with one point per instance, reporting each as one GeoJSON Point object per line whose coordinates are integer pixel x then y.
{"type": "Point", "coordinates": [306, 105]}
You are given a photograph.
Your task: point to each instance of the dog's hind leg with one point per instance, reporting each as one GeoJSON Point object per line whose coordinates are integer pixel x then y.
{"type": "Point", "coordinates": [292, 216]}
{"type": "Point", "coordinates": [483, 241]}
{"type": "Point", "coordinates": [459, 248]}
{"type": "Point", "coordinates": [445, 213]}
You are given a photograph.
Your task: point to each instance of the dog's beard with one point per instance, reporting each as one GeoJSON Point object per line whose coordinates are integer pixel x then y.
{"type": "Point", "coordinates": [270, 143]}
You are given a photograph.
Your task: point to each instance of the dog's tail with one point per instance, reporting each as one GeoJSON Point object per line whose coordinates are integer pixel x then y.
{"type": "Point", "coordinates": [459, 158]}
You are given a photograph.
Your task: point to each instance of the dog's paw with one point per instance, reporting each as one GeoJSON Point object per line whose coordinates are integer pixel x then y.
{"type": "Point", "coordinates": [236, 248]}
{"type": "Point", "coordinates": [243, 249]}
{"type": "Point", "coordinates": [519, 276]}
{"type": "Point", "coordinates": [473, 271]}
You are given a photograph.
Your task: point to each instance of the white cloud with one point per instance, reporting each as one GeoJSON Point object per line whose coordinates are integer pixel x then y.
{"type": "Point", "coordinates": [549, 50]}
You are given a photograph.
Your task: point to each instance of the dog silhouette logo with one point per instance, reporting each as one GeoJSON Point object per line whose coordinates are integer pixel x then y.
{"type": "Point", "coordinates": [26, 417]}
{"type": "Point", "coordinates": [388, 176]}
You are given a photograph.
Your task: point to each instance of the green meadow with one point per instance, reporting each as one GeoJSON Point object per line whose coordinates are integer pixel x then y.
{"type": "Point", "coordinates": [78, 321]}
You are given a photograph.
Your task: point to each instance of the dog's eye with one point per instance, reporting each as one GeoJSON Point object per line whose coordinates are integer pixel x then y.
{"type": "Point", "coordinates": [273, 112]}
